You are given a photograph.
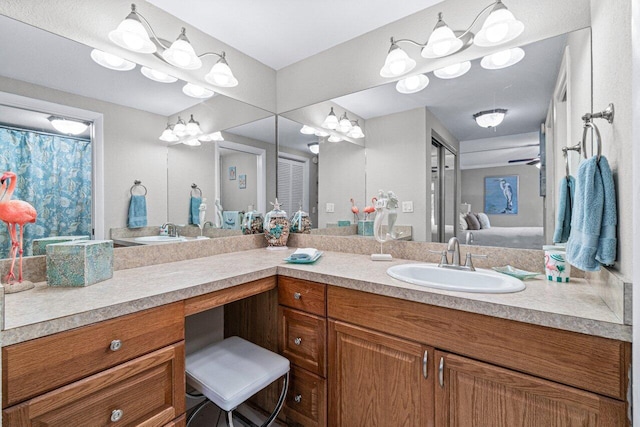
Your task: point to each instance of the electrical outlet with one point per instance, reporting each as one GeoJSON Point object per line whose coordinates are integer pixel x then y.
{"type": "Point", "coordinates": [407, 206]}
{"type": "Point", "coordinates": [330, 208]}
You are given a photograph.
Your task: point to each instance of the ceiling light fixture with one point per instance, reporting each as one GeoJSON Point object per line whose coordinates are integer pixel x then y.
{"type": "Point", "coordinates": [157, 76]}
{"type": "Point", "coordinates": [68, 126]}
{"type": "Point", "coordinates": [499, 27]}
{"type": "Point", "coordinates": [412, 84]}
{"type": "Point", "coordinates": [331, 121]}
{"type": "Point", "coordinates": [196, 91]}
{"type": "Point", "coordinates": [490, 118]}
{"type": "Point", "coordinates": [111, 61]}
{"type": "Point", "coordinates": [188, 133]}
{"type": "Point", "coordinates": [502, 59]}
{"type": "Point", "coordinates": [314, 147]}
{"type": "Point", "coordinates": [453, 71]}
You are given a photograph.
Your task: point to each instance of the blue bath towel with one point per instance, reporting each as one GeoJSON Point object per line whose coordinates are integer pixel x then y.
{"type": "Point", "coordinates": [137, 212]}
{"type": "Point", "coordinates": [565, 206]}
{"type": "Point", "coordinates": [194, 210]}
{"type": "Point", "coordinates": [593, 226]}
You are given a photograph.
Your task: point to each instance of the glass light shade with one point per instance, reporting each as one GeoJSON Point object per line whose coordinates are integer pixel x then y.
{"type": "Point", "coordinates": [453, 71]}
{"type": "Point", "coordinates": [193, 127]}
{"type": "Point", "coordinates": [68, 126]}
{"type": "Point", "coordinates": [192, 142]}
{"type": "Point", "coordinates": [196, 91]}
{"type": "Point", "coordinates": [204, 138]}
{"type": "Point", "coordinates": [307, 130]}
{"type": "Point", "coordinates": [181, 54]}
{"type": "Point", "coordinates": [344, 125]}
{"type": "Point", "coordinates": [442, 42]}
{"type": "Point", "coordinates": [502, 59]}
{"type": "Point", "coordinates": [490, 118]}
{"type": "Point", "coordinates": [356, 132]}
{"type": "Point", "coordinates": [221, 75]}
{"type": "Point", "coordinates": [132, 36]}
{"type": "Point", "coordinates": [335, 138]}
{"type": "Point", "coordinates": [538, 165]}
{"type": "Point", "coordinates": [321, 133]}
{"type": "Point", "coordinates": [499, 27]}
{"type": "Point", "coordinates": [168, 135]}
{"type": "Point", "coordinates": [397, 63]}
{"type": "Point", "coordinates": [180, 128]}
{"type": "Point", "coordinates": [314, 147]}
{"type": "Point", "coordinates": [217, 136]}
{"type": "Point", "coordinates": [111, 61]}
{"type": "Point", "coordinates": [412, 84]}
{"type": "Point", "coordinates": [157, 76]}
{"type": "Point", "coordinates": [331, 122]}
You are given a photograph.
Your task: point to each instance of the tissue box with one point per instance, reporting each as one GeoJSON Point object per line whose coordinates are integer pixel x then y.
{"type": "Point", "coordinates": [365, 228]}
{"type": "Point", "coordinates": [79, 263]}
{"type": "Point", "coordinates": [39, 245]}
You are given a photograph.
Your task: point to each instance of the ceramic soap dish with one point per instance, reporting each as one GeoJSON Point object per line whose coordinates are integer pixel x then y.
{"type": "Point", "coordinates": [303, 260]}
{"type": "Point", "coordinates": [515, 272]}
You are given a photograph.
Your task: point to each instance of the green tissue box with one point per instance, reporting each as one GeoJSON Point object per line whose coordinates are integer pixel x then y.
{"type": "Point", "coordinates": [344, 223]}
{"type": "Point", "coordinates": [39, 245]}
{"type": "Point", "coordinates": [79, 263]}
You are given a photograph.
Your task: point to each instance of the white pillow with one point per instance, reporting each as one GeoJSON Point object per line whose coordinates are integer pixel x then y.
{"type": "Point", "coordinates": [463, 222]}
{"type": "Point", "coordinates": [484, 220]}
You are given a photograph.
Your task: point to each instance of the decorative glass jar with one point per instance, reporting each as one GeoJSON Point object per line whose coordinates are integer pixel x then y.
{"type": "Point", "coordinates": [276, 227]}
{"type": "Point", "coordinates": [300, 222]}
{"type": "Point", "coordinates": [252, 223]}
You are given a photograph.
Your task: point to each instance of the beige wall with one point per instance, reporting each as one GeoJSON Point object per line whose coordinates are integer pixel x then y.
{"type": "Point", "coordinates": [232, 197]}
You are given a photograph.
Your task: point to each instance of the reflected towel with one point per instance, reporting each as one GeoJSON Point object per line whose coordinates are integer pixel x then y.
{"type": "Point", "coordinates": [194, 210]}
{"type": "Point", "coordinates": [304, 254]}
{"type": "Point", "coordinates": [231, 220]}
{"type": "Point", "coordinates": [593, 226]}
{"type": "Point", "coordinates": [565, 207]}
{"type": "Point", "coordinates": [137, 212]}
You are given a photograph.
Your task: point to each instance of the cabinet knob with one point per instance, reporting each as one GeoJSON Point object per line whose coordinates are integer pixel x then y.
{"type": "Point", "coordinates": [115, 345]}
{"type": "Point", "coordinates": [116, 415]}
{"type": "Point", "coordinates": [298, 398]}
{"type": "Point", "coordinates": [297, 295]}
{"type": "Point", "coordinates": [297, 341]}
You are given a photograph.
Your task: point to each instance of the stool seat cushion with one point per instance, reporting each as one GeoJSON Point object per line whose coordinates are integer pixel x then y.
{"type": "Point", "coordinates": [230, 371]}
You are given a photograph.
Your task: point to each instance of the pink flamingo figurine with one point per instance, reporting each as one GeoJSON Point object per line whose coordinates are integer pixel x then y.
{"type": "Point", "coordinates": [14, 213]}
{"type": "Point", "coordinates": [355, 210]}
{"type": "Point", "coordinates": [370, 209]}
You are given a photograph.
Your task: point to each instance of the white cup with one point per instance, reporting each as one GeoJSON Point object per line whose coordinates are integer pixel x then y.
{"type": "Point", "coordinates": [556, 266]}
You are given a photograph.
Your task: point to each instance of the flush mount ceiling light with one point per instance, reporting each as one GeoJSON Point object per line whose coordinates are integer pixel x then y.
{"type": "Point", "coordinates": [412, 84]}
{"type": "Point", "coordinates": [490, 118]}
{"type": "Point", "coordinates": [157, 76]}
{"type": "Point", "coordinates": [68, 126]}
{"type": "Point", "coordinates": [331, 121]}
{"type": "Point", "coordinates": [502, 59]}
{"type": "Point", "coordinates": [499, 27]}
{"type": "Point", "coordinates": [111, 61]}
{"type": "Point", "coordinates": [307, 130]}
{"type": "Point", "coordinates": [133, 34]}
{"type": "Point", "coordinates": [453, 71]}
{"type": "Point", "coordinates": [356, 131]}
{"type": "Point", "coordinates": [196, 91]}
{"type": "Point", "coordinates": [314, 147]}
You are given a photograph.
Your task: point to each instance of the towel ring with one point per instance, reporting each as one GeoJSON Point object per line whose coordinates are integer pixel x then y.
{"type": "Point", "coordinates": [589, 124]}
{"type": "Point", "coordinates": [138, 183]}
{"type": "Point", "coordinates": [195, 188]}
{"type": "Point", "coordinates": [565, 152]}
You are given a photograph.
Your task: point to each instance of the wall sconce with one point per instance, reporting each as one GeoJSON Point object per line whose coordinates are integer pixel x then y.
{"type": "Point", "coordinates": [331, 121]}
{"type": "Point", "coordinates": [314, 147]}
{"type": "Point", "coordinates": [349, 127]}
{"type": "Point", "coordinates": [490, 118]}
{"type": "Point", "coordinates": [356, 131]}
{"type": "Point", "coordinates": [68, 126]}
{"type": "Point", "coordinates": [499, 27]}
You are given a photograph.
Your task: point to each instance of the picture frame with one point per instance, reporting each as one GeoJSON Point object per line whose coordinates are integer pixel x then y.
{"type": "Point", "coordinates": [232, 173]}
{"type": "Point", "coordinates": [501, 194]}
{"type": "Point", "coordinates": [242, 181]}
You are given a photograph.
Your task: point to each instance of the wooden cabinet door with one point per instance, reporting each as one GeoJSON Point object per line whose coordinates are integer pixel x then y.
{"type": "Point", "coordinates": [378, 380]}
{"type": "Point", "coordinates": [477, 394]}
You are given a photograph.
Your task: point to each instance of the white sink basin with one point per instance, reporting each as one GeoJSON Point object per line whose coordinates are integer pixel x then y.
{"type": "Point", "coordinates": [159, 239]}
{"type": "Point", "coordinates": [432, 276]}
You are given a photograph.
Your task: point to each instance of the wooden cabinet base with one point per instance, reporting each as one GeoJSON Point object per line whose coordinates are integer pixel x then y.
{"type": "Point", "coordinates": [306, 403]}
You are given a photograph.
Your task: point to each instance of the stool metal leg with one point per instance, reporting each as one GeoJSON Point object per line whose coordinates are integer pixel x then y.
{"type": "Point", "coordinates": [197, 410]}
{"type": "Point", "coordinates": [283, 396]}
{"type": "Point", "coordinates": [229, 419]}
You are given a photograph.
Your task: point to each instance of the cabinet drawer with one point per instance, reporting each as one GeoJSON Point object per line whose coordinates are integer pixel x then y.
{"type": "Point", "coordinates": [34, 367]}
{"type": "Point", "coordinates": [306, 403]}
{"type": "Point", "coordinates": [145, 391]}
{"type": "Point", "coordinates": [303, 295]}
{"type": "Point", "coordinates": [303, 339]}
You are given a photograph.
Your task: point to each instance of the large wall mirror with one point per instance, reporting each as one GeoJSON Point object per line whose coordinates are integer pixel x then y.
{"type": "Point", "coordinates": [43, 74]}
{"type": "Point", "coordinates": [430, 151]}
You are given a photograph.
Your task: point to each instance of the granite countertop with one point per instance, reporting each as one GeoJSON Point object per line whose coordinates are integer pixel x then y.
{"type": "Point", "coordinates": [573, 306]}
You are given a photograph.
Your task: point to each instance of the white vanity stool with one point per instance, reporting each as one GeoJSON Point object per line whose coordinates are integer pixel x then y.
{"type": "Point", "coordinates": [230, 371]}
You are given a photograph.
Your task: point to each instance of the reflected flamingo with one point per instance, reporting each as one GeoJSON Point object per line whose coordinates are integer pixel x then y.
{"type": "Point", "coordinates": [14, 213]}
{"type": "Point", "coordinates": [370, 209]}
{"type": "Point", "coordinates": [355, 210]}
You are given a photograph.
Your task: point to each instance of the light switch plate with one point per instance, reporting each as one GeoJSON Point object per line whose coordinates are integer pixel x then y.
{"type": "Point", "coordinates": [330, 208]}
{"type": "Point", "coordinates": [407, 206]}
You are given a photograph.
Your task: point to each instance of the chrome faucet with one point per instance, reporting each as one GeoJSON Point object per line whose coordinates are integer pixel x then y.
{"type": "Point", "coordinates": [454, 247]}
{"type": "Point", "coordinates": [172, 229]}
{"type": "Point", "coordinates": [210, 224]}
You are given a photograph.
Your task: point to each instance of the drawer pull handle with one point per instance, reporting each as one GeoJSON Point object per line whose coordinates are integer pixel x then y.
{"type": "Point", "coordinates": [116, 415]}
{"type": "Point", "coordinates": [298, 398]}
{"type": "Point", "coordinates": [297, 341]}
{"type": "Point", "coordinates": [441, 372]}
{"type": "Point", "coordinates": [115, 346]}
{"type": "Point", "coordinates": [297, 295]}
{"type": "Point", "coordinates": [425, 360]}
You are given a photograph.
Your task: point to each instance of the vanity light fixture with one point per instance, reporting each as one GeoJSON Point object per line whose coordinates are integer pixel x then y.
{"type": "Point", "coordinates": [344, 125]}
{"type": "Point", "coordinates": [356, 131]}
{"type": "Point", "coordinates": [499, 27]}
{"type": "Point", "coordinates": [217, 136]}
{"type": "Point", "coordinates": [196, 91]}
{"type": "Point", "coordinates": [412, 84]}
{"type": "Point", "coordinates": [193, 142]}
{"type": "Point", "coordinates": [157, 76]}
{"type": "Point", "coordinates": [321, 133]}
{"type": "Point", "coordinates": [132, 35]}
{"type": "Point", "coordinates": [502, 59]}
{"type": "Point", "coordinates": [307, 130]}
{"type": "Point", "coordinates": [334, 138]}
{"type": "Point", "coordinates": [68, 126]}
{"type": "Point", "coordinates": [111, 61]}
{"type": "Point", "coordinates": [397, 62]}
{"type": "Point", "coordinates": [181, 53]}
{"type": "Point", "coordinates": [442, 41]}
{"type": "Point", "coordinates": [314, 147]}
{"type": "Point", "coordinates": [180, 128]}
{"type": "Point", "coordinates": [490, 118]}
{"type": "Point", "coordinates": [168, 135]}
{"type": "Point", "coordinates": [193, 127]}
{"type": "Point", "coordinates": [331, 121]}
{"type": "Point", "coordinates": [453, 71]}
{"type": "Point", "coordinates": [220, 74]}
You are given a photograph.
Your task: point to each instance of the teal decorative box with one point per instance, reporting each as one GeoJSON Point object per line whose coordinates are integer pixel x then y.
{"type": "Point", "coordinates": [39, 245]}
{"type": "Point", "coordinates": [365, 228]}
{"type": "Point", "coordinates": [343, 223]}
{"type": "Point", "coordinates": [79, 263]}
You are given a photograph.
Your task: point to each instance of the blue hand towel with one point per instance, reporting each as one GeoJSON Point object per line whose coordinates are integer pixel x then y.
{"type": "Point", "coordinates": [593, 226]}
{"type": "Point", "coordinates": [565, 206]}
{"type": "Point", "coordinates": [230, 220]}
{"type": "Point", "coordinates": [194, 210]}
{"type": "Point", "coordinates": [137, 212]}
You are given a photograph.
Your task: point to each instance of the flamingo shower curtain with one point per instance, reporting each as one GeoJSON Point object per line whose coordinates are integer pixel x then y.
{"type": "Point", "coordinates": [54, 175]}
